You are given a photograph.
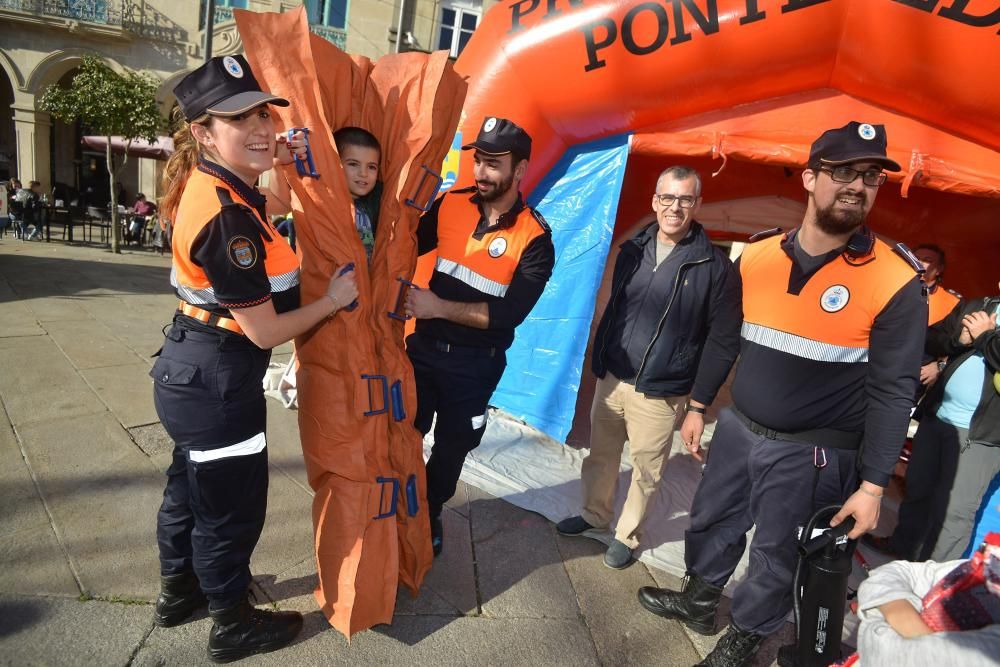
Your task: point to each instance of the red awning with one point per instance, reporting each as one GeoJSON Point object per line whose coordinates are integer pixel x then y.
{"type": "Point", "coordinates": [161, 149]}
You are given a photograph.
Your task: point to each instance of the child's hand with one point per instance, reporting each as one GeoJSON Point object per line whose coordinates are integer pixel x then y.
{"type": "Point", "coordinates": [285, 150]}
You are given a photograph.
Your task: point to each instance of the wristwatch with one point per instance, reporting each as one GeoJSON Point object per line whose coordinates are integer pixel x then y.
{"type": "Point", "coordinates": [695, 408]}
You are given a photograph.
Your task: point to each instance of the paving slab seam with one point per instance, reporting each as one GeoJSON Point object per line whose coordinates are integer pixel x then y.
{"type": "Point", "coordinates": [576, 593]}
{"type": "Point", "coordinates": [48, 510]}
{"type": "Point", "coordinates": [142, 642]}
{"type": "Point", "coordinates": [475, 567]}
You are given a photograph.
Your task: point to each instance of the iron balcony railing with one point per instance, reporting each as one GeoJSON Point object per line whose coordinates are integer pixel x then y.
{"type": "Point", "coordinates": [106, 12]}
{"type": "Point", "coordinates": [335, 35]}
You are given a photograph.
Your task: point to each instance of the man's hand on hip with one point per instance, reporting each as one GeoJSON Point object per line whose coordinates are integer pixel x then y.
{"type": "Point", "coordinates": [864, 505]}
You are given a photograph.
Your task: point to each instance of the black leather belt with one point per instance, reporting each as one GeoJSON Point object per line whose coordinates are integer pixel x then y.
{"type": "Point", "coordinates": [443, 346]}
{"type": "Point", "coordinates": [820, 437]}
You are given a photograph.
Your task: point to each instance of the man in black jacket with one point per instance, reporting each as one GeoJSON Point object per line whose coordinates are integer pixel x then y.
{"type": "Point", "coordinates": [956, 450]}
{"type": "Point", "coordinates": [674, 297]}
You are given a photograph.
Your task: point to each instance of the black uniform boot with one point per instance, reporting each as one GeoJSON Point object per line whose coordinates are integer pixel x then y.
{"type": "Point", "coordinates": [694, 606]}
{"type": "Point", "coordinates": [735, 649]}
{"type": "Point", "coordinates": [243, 630]}
{"type": "Point", "coordinates": [180, 595]}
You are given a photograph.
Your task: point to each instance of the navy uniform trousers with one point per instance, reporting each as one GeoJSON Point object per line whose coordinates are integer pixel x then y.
{"type": "Point", "coordinates": [456, 383]}
{"type": "Point", "coordinates": [775, 485]}
{"type": "Point", "coordinates": [210, 399]}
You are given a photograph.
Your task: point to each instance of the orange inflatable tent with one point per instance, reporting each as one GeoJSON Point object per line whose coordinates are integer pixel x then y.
{"type": "Point", "coordinates": [738, 89]}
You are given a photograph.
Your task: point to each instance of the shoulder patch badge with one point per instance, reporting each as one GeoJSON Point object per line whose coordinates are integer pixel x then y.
{"type": "Point", "coordinates": [835, 298]}
{"type": "Point", "coordinates": [540, 220]}
{"type": "Point", "coordinates": [242, 252]}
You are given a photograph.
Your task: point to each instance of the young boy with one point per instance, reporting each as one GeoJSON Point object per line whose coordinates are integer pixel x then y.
{"type": "Point", "coordinates": [360, 154]}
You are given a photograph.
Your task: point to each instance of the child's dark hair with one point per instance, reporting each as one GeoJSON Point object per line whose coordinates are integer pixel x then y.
{"type": "Point", "coordinates": [355, 136]}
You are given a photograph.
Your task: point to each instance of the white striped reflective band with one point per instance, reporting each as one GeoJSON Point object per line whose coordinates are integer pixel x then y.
{"type": "Point", "coordinates": [190, 294]}
{"type": "Point", "coordinates": [470, 277]}
{"type": "Point", "coordinates": [246, 448]}
{"type": "Point", "coordinates": [803, 347]}
{"type": "Point", "coordinates": [284, 281]}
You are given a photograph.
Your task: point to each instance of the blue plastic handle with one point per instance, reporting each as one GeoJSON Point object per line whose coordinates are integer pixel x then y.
{"type": "Point", "coordinates": [349, 267]}
{"type": "Point", "coordinates": [385, 514]}
{"type": "Point", "coordinates": [438, 180]}
{"type": "Point", "coordinates": [304, 167]}
{"type": "Point", "coordinates": [398, 408]}
{"type": "Point", "coordinates": [404, 286]}
{"type": "Point", "coordinates": [412, 504]}
{"type": "Point", "coordinates": [385, 394]}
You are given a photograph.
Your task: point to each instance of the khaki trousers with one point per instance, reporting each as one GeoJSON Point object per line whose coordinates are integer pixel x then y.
{"type": "Point", "coordinates": [620, 413]}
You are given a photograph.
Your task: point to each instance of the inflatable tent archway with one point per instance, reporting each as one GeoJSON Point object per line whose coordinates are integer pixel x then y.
{"type": "Point", "coordinates": [613, 91]}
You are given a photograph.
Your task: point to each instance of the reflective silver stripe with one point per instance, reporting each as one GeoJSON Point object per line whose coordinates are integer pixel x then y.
{"type": "Point", "coordinates": [803, 347]}
{"type": "Point", "coordinates": [470, 277]}
{"type": "Point", "coordinates": [284, 281]}
{"type": "Point", "coordinates": [190, 294]}
{"type": "Point", "coordinates": [207, 295]}
{"type": "Point", "coordinates": [252, 446]}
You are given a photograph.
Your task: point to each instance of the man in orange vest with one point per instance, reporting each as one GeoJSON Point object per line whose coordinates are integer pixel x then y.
{"type": "Point", "coordinates": [940, 302]}
{"type": "Point", "coordinates": [494, 257]}
{"type": "Point", "coordinates": [833, 332]}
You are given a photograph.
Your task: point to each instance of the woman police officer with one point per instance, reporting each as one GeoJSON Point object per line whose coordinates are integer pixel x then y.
{"type": "Point", "coordinates": [238, 283]}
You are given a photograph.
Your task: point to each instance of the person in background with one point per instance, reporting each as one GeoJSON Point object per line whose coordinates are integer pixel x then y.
{"type": "Point", "coordinates": [956, 450]}
{"type": "Point", "coordinates": [940, 302]}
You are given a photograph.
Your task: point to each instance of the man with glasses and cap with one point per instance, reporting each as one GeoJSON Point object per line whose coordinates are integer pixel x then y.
{"type": "Point", "coordinates": [832, 339]}
{"type": "Point", "coordinates": [673, 296]}
{"type": "Point", "coordinates": [494, 257]}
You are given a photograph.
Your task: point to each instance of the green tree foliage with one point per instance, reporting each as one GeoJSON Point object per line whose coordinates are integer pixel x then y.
{"type": "Point", "coordinates": [109, 104]}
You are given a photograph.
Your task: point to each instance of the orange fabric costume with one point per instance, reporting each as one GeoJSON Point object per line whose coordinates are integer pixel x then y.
{"type": "Point", "coordinates": [369, 514]}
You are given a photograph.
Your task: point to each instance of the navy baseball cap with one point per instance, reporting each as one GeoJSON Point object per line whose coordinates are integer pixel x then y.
{"type": "Point", "coordinates": [499, 136]}
{"type": "Point", "coordinates": [855, 142]}
{"type": "Point", "coordinates": [224, 86]}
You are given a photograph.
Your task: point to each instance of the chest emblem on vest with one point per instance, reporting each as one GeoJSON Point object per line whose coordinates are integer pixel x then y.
{"type": "Point", "coordinates": [498, 246]}
{"type": "Point", "coordinates": [834, 298]}
{"type": "Point", "coordinates": [241, 252]}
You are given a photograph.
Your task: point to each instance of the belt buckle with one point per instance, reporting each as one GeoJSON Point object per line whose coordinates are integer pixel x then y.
{"type": "Point", "coordinates": [442, 346]}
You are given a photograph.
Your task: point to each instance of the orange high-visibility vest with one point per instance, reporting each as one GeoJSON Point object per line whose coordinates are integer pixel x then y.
{"type": "Point", "coordinates": [940, 302]}
{"type": "Point", "coordinates": [488, 263]}
{"type": "Point", "coordinates": [199, 205]}
{"type": "Point", "coordinates": [831, 318]}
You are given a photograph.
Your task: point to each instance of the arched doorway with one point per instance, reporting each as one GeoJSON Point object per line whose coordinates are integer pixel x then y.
{"type": "Point", "coordinates": [8, 138]}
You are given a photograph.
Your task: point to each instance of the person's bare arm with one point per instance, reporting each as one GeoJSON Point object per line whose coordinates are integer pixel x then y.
{"type": "Point", "coordinates": [425, 305]}
{"type": "Point", "coordinates": [904, 619]}
{"type": "Point", "coordinates": [267, 329]}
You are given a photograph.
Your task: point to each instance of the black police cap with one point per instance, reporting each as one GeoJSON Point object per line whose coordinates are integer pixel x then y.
{"type": "Point", "coordinates": [499, 136]}
{"type": "Point", "coordinates": [855, 142]}
{"type": "Point", "coordinates": [224, 86]}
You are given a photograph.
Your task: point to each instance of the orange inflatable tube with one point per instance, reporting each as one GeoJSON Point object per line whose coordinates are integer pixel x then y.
{"type": "Point", "coordinates": [736, 83]}
{"type": "Point", "coordinates": [356, 394]}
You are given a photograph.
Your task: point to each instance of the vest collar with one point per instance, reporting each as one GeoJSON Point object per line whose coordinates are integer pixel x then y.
{"type": "Point", "coordinates": [505, 221]}
{"type": "Point", "coordinates": [251, 195]}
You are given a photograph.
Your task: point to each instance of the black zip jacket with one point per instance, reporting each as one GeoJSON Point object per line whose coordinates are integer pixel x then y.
{"type": "Point", "coordinates": [697, 335]}
{"type": "Point", "coordinates": [942, 340]}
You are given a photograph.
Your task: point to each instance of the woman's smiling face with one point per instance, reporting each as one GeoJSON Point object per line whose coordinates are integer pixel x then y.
{"type": "Point", "coordinates": [242, 144]}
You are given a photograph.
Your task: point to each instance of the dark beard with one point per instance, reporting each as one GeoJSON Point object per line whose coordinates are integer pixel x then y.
{"type": "Point", "coordinates": [838, 223]}
{"type": "Point", "coordinates": [499, 189]}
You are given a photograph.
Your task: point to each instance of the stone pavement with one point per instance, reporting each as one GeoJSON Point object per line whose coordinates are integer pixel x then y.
{"type": "Point", "coordinates": [81, 475]}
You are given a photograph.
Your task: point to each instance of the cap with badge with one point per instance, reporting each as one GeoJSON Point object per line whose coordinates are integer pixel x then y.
{"type": "Point", "coordinates": [224, 86]}
{"type": "Point", "coordinates": [499, 136]}
{"type": "Point", "coordinates": [855, 142]}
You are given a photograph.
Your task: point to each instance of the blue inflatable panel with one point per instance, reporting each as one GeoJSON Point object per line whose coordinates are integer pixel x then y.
{"type": "Point", "coordinates": [579, 200]}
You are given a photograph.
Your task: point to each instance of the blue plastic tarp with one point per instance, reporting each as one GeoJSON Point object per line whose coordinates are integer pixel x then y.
{"type": "Point", "coordinates": [579, 200]}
